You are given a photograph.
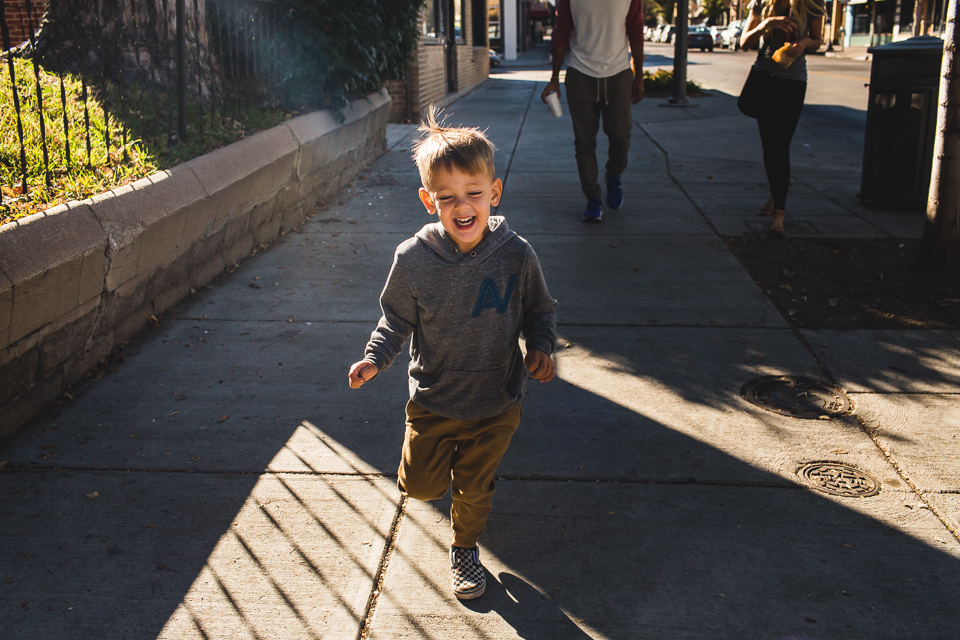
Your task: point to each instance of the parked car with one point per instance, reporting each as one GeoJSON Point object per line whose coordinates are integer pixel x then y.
{"type": "Point", "coordinates": [730, 36]}
{"type": "Point", "coordinates": [715, 32]}
{"type": "Point", "coordinates": [667, 33]}
{"type": "Point", "coordinates": [699, 38]}
{"type": "Point", "coordinates": [495, 58]}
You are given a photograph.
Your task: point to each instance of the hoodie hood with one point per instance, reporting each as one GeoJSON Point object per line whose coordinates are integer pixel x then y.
{"type": "Point", "coordinates": [441, 247]}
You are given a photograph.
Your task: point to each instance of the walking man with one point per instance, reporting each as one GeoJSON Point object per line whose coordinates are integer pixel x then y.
{"type": "Point", "coordinates": [599, 35]}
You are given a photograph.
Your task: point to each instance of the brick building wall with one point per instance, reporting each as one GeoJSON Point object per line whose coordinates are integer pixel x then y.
{"type": "Point", "coordinates": [398, 97]}
{"type": "Point", "coordinates": [474, 66]}
{"type": "Point", "coordinates": [17, 19]}
{"type": "Point", "coordinates": [431, 86]}
{"type": "Point", "coordinates": [426, 78]}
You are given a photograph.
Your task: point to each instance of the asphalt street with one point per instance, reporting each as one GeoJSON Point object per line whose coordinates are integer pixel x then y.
{"type": "Point", "coordinates": [837, 82]}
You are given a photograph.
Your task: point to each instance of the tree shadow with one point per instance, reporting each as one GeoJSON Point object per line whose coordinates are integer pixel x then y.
{"type": "Point", "coordinates": [642, 496]}
{"type": "Point", "coordinates": [688, 541]}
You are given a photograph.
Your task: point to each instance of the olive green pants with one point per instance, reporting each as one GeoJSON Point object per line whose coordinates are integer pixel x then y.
{"type": "Point", "coordinates": [440, 452]}
{"type": "Point", "coordinates": [588, 99]}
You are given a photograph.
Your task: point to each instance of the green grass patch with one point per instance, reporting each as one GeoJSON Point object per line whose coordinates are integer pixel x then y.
{"type": "Point", "coordinates": [139, 125]}
{"type": "Point", "coordinates": [660, 85]}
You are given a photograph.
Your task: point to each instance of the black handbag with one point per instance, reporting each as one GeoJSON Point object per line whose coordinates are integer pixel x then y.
{"type": "Point", "coordinates": [755, 93]}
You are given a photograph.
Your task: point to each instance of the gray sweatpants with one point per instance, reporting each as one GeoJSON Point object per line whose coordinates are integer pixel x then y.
{"type": "Point", "coordinates": [588, 99]}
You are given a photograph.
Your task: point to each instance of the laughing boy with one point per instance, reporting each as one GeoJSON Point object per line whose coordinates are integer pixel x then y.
{"type": "Point", "coordinates": [465, 288]}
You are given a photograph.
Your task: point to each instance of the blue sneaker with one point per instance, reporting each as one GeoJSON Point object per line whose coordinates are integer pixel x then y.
{"type": "Point", "coordinates": [614, 192]}
{"type": "Point", "coordinates": [593, 212]}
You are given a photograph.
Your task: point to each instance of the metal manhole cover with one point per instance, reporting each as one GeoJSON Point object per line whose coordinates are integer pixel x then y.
{"type": "Point", "coordinates": [797, 397]}
{"type": "Point", "coordinates": [838, 479]}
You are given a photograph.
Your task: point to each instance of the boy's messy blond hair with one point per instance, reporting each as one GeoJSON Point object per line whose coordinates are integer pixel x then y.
{"type": "Point", "coordinates": [462, 148]}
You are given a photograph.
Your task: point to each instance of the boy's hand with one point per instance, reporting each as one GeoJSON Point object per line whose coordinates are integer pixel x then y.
{"type": "Point", "coordinates": [540, 365]}
{"type": "Point", "coordinates": [360, 372]}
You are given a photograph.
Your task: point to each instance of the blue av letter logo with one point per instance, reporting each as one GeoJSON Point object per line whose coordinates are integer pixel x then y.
{"type": "Point", "coordinates": [489, 297]}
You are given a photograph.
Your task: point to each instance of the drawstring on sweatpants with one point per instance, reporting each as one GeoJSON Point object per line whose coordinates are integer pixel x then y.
{"type": "Point", "coordinates": [606, 102]}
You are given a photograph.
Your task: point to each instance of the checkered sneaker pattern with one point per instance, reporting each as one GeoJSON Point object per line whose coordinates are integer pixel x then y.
{"type": "Point", "coordinates": [469, 581]}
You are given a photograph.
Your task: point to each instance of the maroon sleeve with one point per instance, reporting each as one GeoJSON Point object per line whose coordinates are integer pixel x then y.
{"type": "Point", "coordinates": [635, 21]}
{"type": "Point", "coordinates": [564, 24]}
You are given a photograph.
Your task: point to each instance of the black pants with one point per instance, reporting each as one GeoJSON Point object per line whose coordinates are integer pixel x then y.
{"type": "Point", "coordinates": [588, 99]}
{"type": "Point", "coordinates": [777, 124]}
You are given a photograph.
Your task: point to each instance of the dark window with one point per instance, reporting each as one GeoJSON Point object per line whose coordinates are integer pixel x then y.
{"type": "Point", "coordinates": [494, 20]}
{"type": "Point", "coordinates": [458, 16]}
{"type": "Point", "coordinates": [431, 19]}
{"type": "Point", "coordinates": [434, 16]}
{"type": "Point", "coordinates": [479, 23]}
{"type": "Point", "coordinates": [906, 15]}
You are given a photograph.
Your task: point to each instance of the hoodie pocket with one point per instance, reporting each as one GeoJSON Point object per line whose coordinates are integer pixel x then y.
{"type": "Point", "coordinates": [471, 390]}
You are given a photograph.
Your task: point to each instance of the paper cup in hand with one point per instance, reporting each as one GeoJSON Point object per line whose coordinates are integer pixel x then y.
{"type": "Point", "coordinates": [553, 101]}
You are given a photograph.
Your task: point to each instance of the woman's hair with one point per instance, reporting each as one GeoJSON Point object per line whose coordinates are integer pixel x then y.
{"type": "Point", "coordinates": [463, 148]}
{"type": "Point", "coordinates": [801, 10]}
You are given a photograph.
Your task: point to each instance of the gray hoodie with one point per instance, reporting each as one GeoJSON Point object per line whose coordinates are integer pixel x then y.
{"type": "Point", "coordinates": [465, 314]}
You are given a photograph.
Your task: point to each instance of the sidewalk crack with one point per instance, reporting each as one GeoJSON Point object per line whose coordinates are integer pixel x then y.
{"type": "Point", "coordinates": [666, 162]}
{"type": "Point", "coordinates": [873, 434]}
{"type": "Point", "coordinates": [379, 577]}
{"type": "Point", "coordinates": [516, 143]}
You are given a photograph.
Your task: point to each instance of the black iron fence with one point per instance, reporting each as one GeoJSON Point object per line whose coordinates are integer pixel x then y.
{"type": "Point", "coordinates": [135, 73]}
{"type": "Point", "coordinates": [247, 39]}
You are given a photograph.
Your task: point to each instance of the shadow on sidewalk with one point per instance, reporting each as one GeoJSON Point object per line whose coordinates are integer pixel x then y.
{"type": "Point", "coordinates": [662, 530]}
{"type": "Point", "coordinates": [671, 537]}
{"type": "Point", "coordinates": [224, 483]}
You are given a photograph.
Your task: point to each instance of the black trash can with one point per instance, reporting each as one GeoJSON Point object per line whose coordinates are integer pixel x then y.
{"type": "Point", "coordinates": [901, 123]}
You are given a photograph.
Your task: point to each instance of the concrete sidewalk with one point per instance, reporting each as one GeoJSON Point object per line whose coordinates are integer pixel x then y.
{"type": "Point", "coordinates": [222, 481]}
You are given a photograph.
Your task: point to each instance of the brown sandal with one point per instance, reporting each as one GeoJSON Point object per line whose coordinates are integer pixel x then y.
{"type": "Point", "coordinates": [776, 225]}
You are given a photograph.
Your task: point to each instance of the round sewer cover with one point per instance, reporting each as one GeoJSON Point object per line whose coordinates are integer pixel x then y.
{"type": "Point", "coordinates": [838, 479]}
{"type": "Point", "coordinates": [797, 397]}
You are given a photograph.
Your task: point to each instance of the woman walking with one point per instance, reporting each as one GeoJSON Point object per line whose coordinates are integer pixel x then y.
{"type": "Point", "coordinates": [786, 31]}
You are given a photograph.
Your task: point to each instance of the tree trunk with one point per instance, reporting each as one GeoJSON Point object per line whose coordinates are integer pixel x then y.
{"type": "Point", "coordinates": [939, 247]}
{"type": "Point", "coordinates": [129, 40]}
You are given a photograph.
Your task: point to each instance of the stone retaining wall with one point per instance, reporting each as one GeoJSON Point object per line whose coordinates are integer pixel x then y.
{"type": "Point", "coordinates": [84, 277]}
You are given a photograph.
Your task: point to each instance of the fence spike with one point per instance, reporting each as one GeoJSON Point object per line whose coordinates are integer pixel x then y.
{"type": "Point", "coordinates": [66, 123]}
{"type": "Point", "coordinates": [36, 73]}
{"type": "Point", "coordinates": [136, 52]}
{"type": "Point", "coordinates": [196, 40]}
{"type": "Point", "coordinates": [122, 84]}
{"type": "Point", "coordinates": [181, 74]}
{"type": "Point", "coordinates": [86, 119]}
{"type": "Point", "coordinates": [5, 35]}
